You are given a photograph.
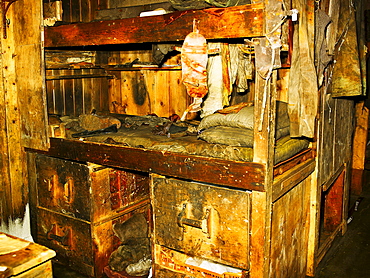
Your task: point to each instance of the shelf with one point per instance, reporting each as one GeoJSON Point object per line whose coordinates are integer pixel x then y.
{"type": "Point", "coordinates": [213, 23]}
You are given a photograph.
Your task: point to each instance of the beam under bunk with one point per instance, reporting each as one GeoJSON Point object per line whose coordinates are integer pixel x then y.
{"type": "Point", "coordinates": [214, 23]}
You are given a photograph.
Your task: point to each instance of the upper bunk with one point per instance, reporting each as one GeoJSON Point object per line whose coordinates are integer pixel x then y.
{"type": "Point", "coordinates": [214, 23]}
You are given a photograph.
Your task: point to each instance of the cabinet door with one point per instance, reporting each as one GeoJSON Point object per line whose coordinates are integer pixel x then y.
{"type": "Point", "coordinates": [202, 220]}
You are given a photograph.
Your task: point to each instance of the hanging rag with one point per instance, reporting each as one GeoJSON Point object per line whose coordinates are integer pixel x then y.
{"type": "Point", "coordinates": [303, 88]}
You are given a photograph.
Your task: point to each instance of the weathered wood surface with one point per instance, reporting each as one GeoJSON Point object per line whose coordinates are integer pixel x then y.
{"type": "Point", "coordinates": [334, 141]}
{"type": "Point", "coordinates": [143, 92]}
{"type": "Point", "coordinates": [83, 245]}
{"type": "Point", "coordinates": [359, 147]}
{"type": "Point", "coordinates": [333, 206]}
{"type": "Point", "coordinates": [260, 208]}
{"type": "Point", "coordinates": [22, 105]}
{"type": "Point", "coordinates": [33, 260]}
{"type": "Point", "coordinates": [202, 220]}
{"type": "Point", "coordinates": [288, 164]}
{"type": "Point", "coordinates": [77, 96]}
{"type": "Point", "coordinates": [292, 178]}
{"type": "Point", "coordinates": [212, 23]}
{"type": "Point", "coordinates": [238, 174]}
{"type": "Point", "coordinates": [89, 192]}
{"type": "Point", "coordinates": [289, 232]}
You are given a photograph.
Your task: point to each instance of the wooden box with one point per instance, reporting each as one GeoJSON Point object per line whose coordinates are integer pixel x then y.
{"type": "Point", "coordinates": [82, 245]}
{"type": "Point", "coordinates": [87, 191]}
{"type": "Point", "coordinates": [201, 221]}
{"type": "Point", "coordinates": [78, 205]}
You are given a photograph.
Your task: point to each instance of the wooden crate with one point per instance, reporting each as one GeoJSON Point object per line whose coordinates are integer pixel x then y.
{"type": "Point", "coordinates": [201, 220]}
{"type": "Point", "coordinates": [82, 245]}
{"type": "Point", "coordinates": [78, 205]}
{"type": "Point", "coordinates": [87, 191]}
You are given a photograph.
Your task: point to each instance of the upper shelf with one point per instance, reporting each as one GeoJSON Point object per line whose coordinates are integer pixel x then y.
{"type": "Point", "coordinates": [214, 23]}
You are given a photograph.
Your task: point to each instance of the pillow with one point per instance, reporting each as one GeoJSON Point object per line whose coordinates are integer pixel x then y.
{"type": "Point", "coordinates": [244, 118]}
{"type": "Point", "coordinates": [282, 120]}
{"type": "Point", "coordinates": [232, 136]}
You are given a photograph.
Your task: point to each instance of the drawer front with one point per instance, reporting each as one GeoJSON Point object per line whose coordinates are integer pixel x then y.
{"type": "Point", "coordinates": [69, 237]}
{"type": "Point", "coordinates": [89, 192]}
{"type": "Point", "coordinates": [127, 188]}
{"type": "Point", "coordinates": [63, 186]}
{"type": "Point", "coordinates": [202, 220]}
{"type": "Point", "coordinates": [83, 246]}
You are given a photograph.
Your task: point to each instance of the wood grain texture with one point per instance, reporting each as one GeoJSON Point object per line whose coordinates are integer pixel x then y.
{"type": "Point", "coordinates": [31, 261]}
{"type": "Point", "coordinates": [223, 236]}
{"type": "Point", "coordinates": [213, 23]}
{"type": "Point", "coordinates": [289, 232]}
{"type": "Point", "coordinates": [238, 174]}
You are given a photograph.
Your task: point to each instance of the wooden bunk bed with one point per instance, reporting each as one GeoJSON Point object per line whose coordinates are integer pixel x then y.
{"type": "Point", "coordinates": [274, 220]}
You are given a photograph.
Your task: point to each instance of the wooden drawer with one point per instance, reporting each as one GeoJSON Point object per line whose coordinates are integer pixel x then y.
{"type": "Point", "coordinates": [83, 246]}
{"type": "Point", "coordinates": [202, 220]}
{"type": "Point", "coordinates": [87, 191]}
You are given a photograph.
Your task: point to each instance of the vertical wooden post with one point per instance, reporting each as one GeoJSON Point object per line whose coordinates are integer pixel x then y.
{"type": "Point", "coordinates": [22, 102]}
{"type": "Point", "coordinates": [359, 148]}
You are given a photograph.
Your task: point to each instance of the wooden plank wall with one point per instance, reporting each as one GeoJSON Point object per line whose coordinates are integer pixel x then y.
{"type": "Point", "coordinates": [335, 148]}
{"type": "Point", "coordinates": [289, 232]}
{"type": "Point", "coordinates": [78, 96]}
{"type": "Point", "coordinates": [137, 92]}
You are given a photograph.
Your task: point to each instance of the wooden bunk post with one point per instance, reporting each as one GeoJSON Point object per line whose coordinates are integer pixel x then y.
{"type": "Point", "coordinates": [264, 130]}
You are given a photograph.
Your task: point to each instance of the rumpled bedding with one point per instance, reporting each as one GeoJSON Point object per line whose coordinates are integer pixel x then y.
{"type": "Point", "coordinates": [142, 137]}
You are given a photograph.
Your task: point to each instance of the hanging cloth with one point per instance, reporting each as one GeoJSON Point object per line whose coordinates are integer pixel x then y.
{"type": "Point", "coordinates": [349, 77]}
{"type": "Point", "coordinates": [303, 88]}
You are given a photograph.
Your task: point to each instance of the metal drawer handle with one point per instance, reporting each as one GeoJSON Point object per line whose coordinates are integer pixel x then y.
{"type": "Point", "coordinates": [68, 190]}
{"type": "Point", "coordinates": [202, 224]}
{"type": "Point", "coordinates": [64, 240]}
{"type": "Point", "coordinates": [52, 182]}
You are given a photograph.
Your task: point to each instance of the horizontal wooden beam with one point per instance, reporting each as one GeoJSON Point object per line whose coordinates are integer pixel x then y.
{"type": "Point", "coordinates": [214, 23]}
{"type": "Point", "coordinates": [245, 175]}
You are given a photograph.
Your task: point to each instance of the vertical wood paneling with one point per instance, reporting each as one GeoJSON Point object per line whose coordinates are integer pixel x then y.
{"type": "Point", "coordinates": [104, 97]}
{"type": "Point", "coordinates": [326, 126]}
{"type": "Point", "coordinates": [86, 12]}
{"type": "Point", "coordinates": [75, 10]}
{"type": "Point", "coordinates": [50, 95]}
{"type": "Point", "coordinates": [178, 101]}
{"type": "Point", "coordinates": [87, 87]}
{"type": "Point", "coordinates": [149, 91]}
{"type": "Point", "coordinates": [115, 95]}
{"type": "Point", "coordinates": [68, 94]}
{"type": "Point", "coordinates": [103, 4]}
{"type": "Point", "coordinates": [78, 95]}
{"type": "Point", "coordinates": [66, 6]}
{"type": "Point", "coordinates": [58, 94]}
{"type": "Point", "coordinates": [289, 233]}
{"type": "Point", "coordinates": [157, 84]}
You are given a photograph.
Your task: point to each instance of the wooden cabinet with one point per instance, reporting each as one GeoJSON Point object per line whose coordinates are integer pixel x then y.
{"type": "Point", "coordinates": [268, 223]}
{"type": "Point", "coordinates": [206, 221]}
{"type": "Point", "coordinates": [207, 230]}
{"type": "Point", "coordinates": [78, 205]}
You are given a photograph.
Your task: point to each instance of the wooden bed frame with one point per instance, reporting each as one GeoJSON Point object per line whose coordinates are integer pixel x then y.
{"type": "Point", "coordinates": [283, 212]}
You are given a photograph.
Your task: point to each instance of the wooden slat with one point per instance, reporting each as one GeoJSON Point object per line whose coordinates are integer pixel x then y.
{"type": "Point", "coordinates": [246, 175]}
{"type": "Point", "coordinates": [289, 232]}
{"type": "Point", "coordinates": [213, 23]}
{"type": "Point", "coordinates": [29, 73]}
{"type": "Point", "coordinates": [292, 178]}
